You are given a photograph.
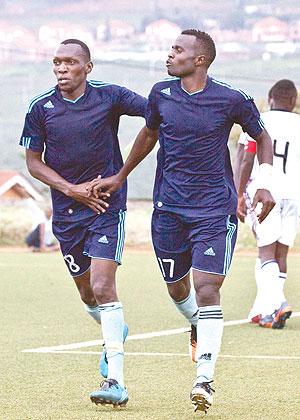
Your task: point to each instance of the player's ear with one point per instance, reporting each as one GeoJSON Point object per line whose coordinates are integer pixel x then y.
{"type": "Point", "coordinates": [270, 102]}
{"type": "Point", "coordinates": [89, 67]}
{"type": "Point", "coordinates": [293, 101]}
{"type": "Point", "coordinates": [200, 60]}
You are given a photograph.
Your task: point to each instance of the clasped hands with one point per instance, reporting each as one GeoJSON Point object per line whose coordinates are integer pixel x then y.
{"type": "Point", "coordinates": [95, 193]}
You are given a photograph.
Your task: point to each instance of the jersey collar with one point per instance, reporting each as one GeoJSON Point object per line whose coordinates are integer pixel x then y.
{"type": "Point", "coordinates": [208, 82]}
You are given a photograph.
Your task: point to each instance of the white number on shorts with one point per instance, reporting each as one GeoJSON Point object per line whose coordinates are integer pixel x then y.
{"type": "Point", "coordinates": [71, 263]}
{"type": "Point", "coordinates": [169, 261]}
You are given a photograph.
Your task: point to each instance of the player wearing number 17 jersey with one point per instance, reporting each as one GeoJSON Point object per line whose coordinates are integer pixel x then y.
{"type": "Point", "coordinates": [194, 221]}
{"type": "Point", "coordinates": [278, 231]}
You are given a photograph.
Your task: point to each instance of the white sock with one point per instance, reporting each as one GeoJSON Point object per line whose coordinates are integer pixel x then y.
{"type": "Point", "coordinates": [209, 338]}
{"type": "Point", "coordinates": [189, 308]}
{"type": "Point", "coordinates": [112, 320]}
{"type": "Point", "coordinates": [258, 304]}
{"type": "Point", "coordinates": [94, 312]}
{"type": "Point", "coordinates": [270, 284]}
{"type": "Point", "coordinates": [282, 280]}
{"type": "Point", "coordinates": [257, 272]}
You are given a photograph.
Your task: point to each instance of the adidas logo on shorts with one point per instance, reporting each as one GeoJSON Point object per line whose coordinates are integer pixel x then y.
{"type": "Point", "coordinates": [210, 252]}
{"type": "Point", "coordinates": [103, 240]}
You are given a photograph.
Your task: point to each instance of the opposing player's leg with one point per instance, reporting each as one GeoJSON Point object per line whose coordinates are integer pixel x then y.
{"type": "Point", "coordinates": [213, 243]}
{"type": "Point", "coordinates": [274, 235]}
{"type": "Point", "coordinates": [257, 306]}
{"type": "Point", "coordinates": [284, 311]}
{"type": "Point", "coordinates": [281, 254]}
{"type": "Point", "coordinates": [270, 276]}
{"type": "Point", "coordinates": [266, 234]}
{"type": "Point", "coordinates": [173, 254]}
{"type": "Point", "coordinates": [289, 228]}
{"type": "Point", "coordinates": [280, 310]}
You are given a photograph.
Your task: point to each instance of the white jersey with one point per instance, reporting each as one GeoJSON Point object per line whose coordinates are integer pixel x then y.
{"type": "Point", "coordinates": [284, 130]}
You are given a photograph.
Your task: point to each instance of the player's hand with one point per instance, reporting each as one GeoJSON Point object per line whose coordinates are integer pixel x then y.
{"type": "Point", "coordinates": [265, 198]}
{"type": "Point", "coordinates": [104, 186]}
{"type": "Point", "coordinates": [97, 204]}
{"type": "Point", "coordinates": [241, 209]}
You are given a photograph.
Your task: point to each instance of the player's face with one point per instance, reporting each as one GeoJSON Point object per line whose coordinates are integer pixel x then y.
{"type": "Point", "coordinates": [181, 60]}
{"type": "Point", "coordinates": [70, 66]}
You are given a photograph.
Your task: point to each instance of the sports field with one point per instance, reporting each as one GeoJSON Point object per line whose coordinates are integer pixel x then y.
{"type": "Point", "coordinates": [258, 372]}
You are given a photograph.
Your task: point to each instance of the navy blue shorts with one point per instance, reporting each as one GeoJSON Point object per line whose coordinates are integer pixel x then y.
{"type": "Point", "coordinates": [205, 244]}
{"type": "Point", "coordinates": [100, 236]}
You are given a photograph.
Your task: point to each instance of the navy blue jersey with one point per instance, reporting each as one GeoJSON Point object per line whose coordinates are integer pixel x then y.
{"type": "Point", "coordinates": [194, 175]}
{"type": "Point", "coordinates": [80, 139]}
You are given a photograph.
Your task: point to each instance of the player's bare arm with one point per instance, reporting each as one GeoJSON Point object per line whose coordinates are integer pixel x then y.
{"type": "Point", "coordinates": [144, 143]}
{"type": "Point", "coordinates": [39, 170]}
{"type": "Point", "coordinates": [237, 164]}
{"type": "Point", "coordinates": [265, 159]}
{"type": "Point", "coordinates": [241, 180]}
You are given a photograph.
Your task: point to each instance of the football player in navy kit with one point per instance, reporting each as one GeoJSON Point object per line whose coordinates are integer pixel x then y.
{"type": "Point", "coordinates": [70, 136]}
{"type": "Point", "coordinates": [194, 220]}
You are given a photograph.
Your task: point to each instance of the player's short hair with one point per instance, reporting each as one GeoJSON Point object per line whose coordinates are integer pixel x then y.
{"type": "Point", "coordinates": [206, 42]}
{"type": "Point", "coordinates": [283, 89]}
{"type": "Point", "coordinates": [83, 46]}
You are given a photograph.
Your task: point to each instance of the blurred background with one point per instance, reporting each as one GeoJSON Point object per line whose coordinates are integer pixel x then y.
{"type": "Point", "coordinates": [258, 42]}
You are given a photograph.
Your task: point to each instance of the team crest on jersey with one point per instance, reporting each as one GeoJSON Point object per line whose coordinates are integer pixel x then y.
{"type": "Point", "coordinates": [49, 105]}
{"type": "Point", "coordinates": [166, 91]}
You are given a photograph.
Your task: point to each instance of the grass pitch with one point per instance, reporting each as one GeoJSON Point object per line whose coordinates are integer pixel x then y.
{"type": "Point", "coordinates": [257, 374]}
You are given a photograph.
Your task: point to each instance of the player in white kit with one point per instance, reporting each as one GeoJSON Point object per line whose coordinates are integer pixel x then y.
{"type": "Point", "coordinates": [277, 232]}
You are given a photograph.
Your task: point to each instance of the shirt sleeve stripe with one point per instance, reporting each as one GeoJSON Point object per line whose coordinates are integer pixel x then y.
{"type": "Point", "coordinates": [38, 98]}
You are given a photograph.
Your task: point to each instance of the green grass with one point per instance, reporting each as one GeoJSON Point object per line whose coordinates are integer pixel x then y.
{"type": "Point", "coordinates": [40, 307]}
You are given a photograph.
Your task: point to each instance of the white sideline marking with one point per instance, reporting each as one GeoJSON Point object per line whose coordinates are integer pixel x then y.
{"type": "Point", "coordinates": [224, 356]}
{"type": "Point", "coordinates": [100, 342]}
{"type": "Point", "coordinates": [65, 347]}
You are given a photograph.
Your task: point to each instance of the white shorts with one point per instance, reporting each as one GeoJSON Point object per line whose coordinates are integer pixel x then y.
{"type": "Point", "coordinates": [281, 225]}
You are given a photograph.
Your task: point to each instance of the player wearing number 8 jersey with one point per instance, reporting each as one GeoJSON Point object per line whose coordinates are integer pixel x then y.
{"type": "Point", "coordinates": [70, 136]}
{"type": "Point", "coordinates": [278, 231]}
{"type": "Point", "coordinates": [194, 221]}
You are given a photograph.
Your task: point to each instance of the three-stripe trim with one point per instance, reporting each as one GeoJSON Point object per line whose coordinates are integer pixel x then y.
{"type": "Point", "coordinates": [211, 314]}
{"type": "Point", "coordinates": [218, 82]}
{"type": "Point", "coordinates": [231, 228]}
{"type": "Point", "coordinates": [121, 236]}
{"type": "Point", "coordinates": [98, 84]}
{"type": "Point", "coordinates": [39, 98]}
{"type": "Point", "coordinates": [25, 141]}
{"type": "Point", "coordinates": [245, 95]}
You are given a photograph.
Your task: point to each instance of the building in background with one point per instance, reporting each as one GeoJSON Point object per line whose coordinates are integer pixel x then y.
{"type": "Point", "coordinates": [14, 187]}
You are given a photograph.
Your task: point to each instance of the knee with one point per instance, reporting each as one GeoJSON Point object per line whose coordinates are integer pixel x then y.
{"type": "Point", "coordinates": [179, 290]}
{"type": "Point", "coordinates": [87, 296]}
{"type": "Point", "coordinates": [178, 295]}
{"type": "Point", "coordinates": [207, 295]}
{"type": "Point", "coordinates": [104, 289]}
